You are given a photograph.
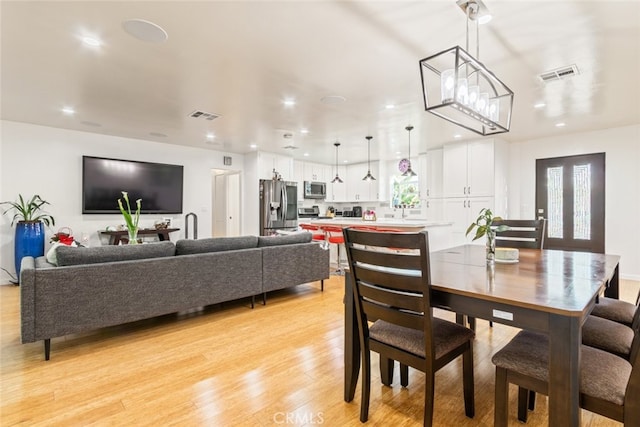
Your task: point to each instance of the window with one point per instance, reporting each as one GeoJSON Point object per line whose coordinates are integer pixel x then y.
{"type": "Point", "coordinates": [405, 192]}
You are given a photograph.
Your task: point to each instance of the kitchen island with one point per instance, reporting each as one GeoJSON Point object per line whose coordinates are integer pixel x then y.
{"type": "Point", "coordinates": [439, 231]}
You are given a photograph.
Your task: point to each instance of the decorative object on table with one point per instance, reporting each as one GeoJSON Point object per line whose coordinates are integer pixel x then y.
{"type": "Point", "coordinates": [29, 235]}
{"type": "Point", "coordinates": [130, 219]}
{"type": "Point", "coordinates": [460, 89]}
{"type": "Point", "coordinates": [63, 236]}
{"type": "Point", "coordinates": [160, 225]}
{"type": "Point", "coordinates": [483, 227]}
{"type": "Point", "coordinates": [405, 164]}
{"type": "Point", "coordinates": [369, 215]}
{"type": "Point", "coordinates": [368, 176]}
{"type": "Point", "coordinates": [507, 255]}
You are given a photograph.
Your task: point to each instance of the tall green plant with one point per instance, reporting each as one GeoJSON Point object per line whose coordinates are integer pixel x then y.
{"type": "Point", "coordinates": [129, 218]}
{"type": "Point", "coordinates": [483, 226]}
{"type": "Point", "coordinates": [29, 210]}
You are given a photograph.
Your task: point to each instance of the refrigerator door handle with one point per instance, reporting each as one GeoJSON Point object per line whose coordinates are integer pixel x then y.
{"type": "Point", "coordinates": [284, 204]}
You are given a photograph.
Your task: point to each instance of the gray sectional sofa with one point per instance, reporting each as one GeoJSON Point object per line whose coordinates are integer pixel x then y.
{"type": "Point", "coordinates": [104, 286]}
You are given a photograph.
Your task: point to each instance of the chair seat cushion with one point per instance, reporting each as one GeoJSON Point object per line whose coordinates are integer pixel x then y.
{"type": "Point", "coordinates": [446, 336]}
{"type": "Point", "coordinates": [616, 310]}
{"type": "Point", "coordinates": [528, 353]}
{"type": "Point", "coordinates": [607, 335]}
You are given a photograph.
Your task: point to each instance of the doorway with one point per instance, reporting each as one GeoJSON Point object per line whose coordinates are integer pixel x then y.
{"type": "Point", "coordinates": [226, 203]}
{"type": "Point", "coordinates": [570, 196]}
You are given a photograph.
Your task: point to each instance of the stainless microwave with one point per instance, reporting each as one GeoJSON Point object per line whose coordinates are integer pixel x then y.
{"type": "Point", "coordinates": [315, 190]}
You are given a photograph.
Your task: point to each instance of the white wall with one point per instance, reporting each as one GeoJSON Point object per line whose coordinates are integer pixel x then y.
{"type": "Point", "coordinates": [622, 205]}
{"type": "Point", "coordinates": [48, 161]}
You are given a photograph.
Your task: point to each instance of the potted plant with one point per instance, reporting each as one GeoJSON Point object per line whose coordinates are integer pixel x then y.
{"type": "Point", "coordinates": [130, 219]}
{"type": "Point", "coordinates": [483, 227]}
{"type": "Point", "coordinates": [30, 217]}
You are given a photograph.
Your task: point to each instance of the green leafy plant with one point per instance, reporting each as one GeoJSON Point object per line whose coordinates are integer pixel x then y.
{"type": "Point", "coordinates": [129, 218]}
{"type": "Point", "coordinates": [30, 210]}
{"type": "Point", "coordinates": [483, 226]}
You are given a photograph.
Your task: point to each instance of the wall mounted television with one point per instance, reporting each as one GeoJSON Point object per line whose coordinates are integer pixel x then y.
{"type": "Point", "coordinates": [103, 181]}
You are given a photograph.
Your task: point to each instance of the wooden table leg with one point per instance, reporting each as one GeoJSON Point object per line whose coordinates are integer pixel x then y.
{"type": "Point", "coordinates": [351, 342]}
{"type": "Point", "coordinates": [613, 287]}
{"type": "Point", "coordinates": [565, 336]}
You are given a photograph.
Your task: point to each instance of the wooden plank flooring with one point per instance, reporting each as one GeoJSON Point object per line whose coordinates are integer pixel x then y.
{"type": "Point", "coordinates": [228, 365]}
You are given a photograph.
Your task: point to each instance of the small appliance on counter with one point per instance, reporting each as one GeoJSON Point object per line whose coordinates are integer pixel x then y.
{"type": "Point", "coordinates": [312, 212]}
{"type": "Point", "coordinates": [357, 211]}
{"type": "Point", "coordinates": [347, 213]}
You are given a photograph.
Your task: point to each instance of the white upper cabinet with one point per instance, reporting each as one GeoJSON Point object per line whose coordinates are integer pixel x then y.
{"type": "Point", "coordinates": [317, 172]}
{"type": "Point", "coordinates": [430, 174]}
{"type": "Point", "coordinates": [298, 176]}
{"type": "Point", "coordinates": [267, 162]}
{"type": "Point", "coordinates": [469, 168]}
{"type": "Point", "coordinates": [337, 192]}
{"type": "Point", "coordinates": [359, 190]}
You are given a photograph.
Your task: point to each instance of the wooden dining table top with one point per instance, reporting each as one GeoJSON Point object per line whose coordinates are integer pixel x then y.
{"type": "Point", "coordinates": [558, 282]}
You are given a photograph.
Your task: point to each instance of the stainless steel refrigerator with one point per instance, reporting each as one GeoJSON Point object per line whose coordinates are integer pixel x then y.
{"type": "Point", "coordinates": [278, 206]}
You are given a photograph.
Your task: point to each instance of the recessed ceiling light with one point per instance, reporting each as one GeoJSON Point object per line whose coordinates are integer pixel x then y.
{"type": "Point", "coordinates": [540, 105]}
{"type": "Point", "coordinates": [484, 19]}
{"type": "Point", "coordinates": [333, 99]}
{"type": "Point", "coordinates": [457, 135]}
{"type": "Point", "coordinates": [304, 131]}
{"type": "Point", "coordinates": [68, 111]}
{"type": "Point", "coordinates": [253, 146]}
{"type": "Point", "coordinates": [398, 152]}
{"type": "Point", "coordinates": [91, 41]}
{"type": "Point", "coordinates": [306, 154]}
{"type": "Point", "coordinates": [345, 161]}
{"type": "Point", "coordinates": [389, 106]}
{"type": "Point", "coordinates": [210, 136]}
{"type": "Point", "coordinates": [560, 125]}
{"type": "Point", "coordinates": [289, 102]}
{"type": "Point", "coordinates": [145, 30]}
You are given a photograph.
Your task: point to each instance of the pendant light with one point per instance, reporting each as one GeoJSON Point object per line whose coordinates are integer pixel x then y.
{"type": "Point", "coordinates": [368, 176]}
{"type": "Point", "coordinates": [409, 171]}
{"type": "Point", "coordinates": [337, 178]}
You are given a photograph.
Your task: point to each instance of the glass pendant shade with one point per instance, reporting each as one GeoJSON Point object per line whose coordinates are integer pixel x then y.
{"type": "Point", "coordinates": [368, 176]}
{"type": "Point", "coordinates": [460, 89]}
{"type": "Point", "coordinates": [409, 171]}
{"type": "Point", "coordinates": [337, 179]}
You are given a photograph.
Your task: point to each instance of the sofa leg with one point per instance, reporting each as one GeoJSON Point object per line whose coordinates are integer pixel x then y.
{"type": "Point", "coordinates": [253, 301]}
{"type": "Point", "coordinates": [264, 298]}
{"type": "Point", "coordinates": [321, 285]}
{"type": "Point", "coordinates": [47, 348]}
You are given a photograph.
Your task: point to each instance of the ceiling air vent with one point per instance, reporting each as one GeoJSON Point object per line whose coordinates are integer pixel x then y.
{"type": "Point", "coordinates": [197, 114]}
{"type": "Point", "coordinates": [559, 73]}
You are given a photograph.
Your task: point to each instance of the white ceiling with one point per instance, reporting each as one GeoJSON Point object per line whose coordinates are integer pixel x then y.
{"type": "Point", "coordinates": [241, 59]}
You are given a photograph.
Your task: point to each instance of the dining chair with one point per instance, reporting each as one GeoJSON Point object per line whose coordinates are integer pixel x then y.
{"type": "Point", "coordinates": [609, 336]}
{"type": "Point", "coordinates": [609, 385]}
{"type": "Point", "coordinates": [619, 311]}
{"type": "Point", "coordinates": [392, 291]}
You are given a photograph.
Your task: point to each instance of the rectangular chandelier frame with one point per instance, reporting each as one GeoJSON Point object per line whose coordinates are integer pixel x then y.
{"type": "Point", "coordinates": [460, 89]}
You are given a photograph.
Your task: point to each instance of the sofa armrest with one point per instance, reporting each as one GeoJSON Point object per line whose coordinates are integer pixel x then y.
{"type": "Point", "coordinates": [28, 299]}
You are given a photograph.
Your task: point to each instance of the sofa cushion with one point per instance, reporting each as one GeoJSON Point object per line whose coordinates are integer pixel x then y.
{"type": "Point", "coordinates": [68, 255]}
{"type": "Point", "coordinates": [284, 240]}
{"type": "Point", "coordinates": [215, 244]}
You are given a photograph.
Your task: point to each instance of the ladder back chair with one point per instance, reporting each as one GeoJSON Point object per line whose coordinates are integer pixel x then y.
{"type": "Point", "coordinates": [392, 290]}
{"type": "Point", "coordinates": [522, 233]}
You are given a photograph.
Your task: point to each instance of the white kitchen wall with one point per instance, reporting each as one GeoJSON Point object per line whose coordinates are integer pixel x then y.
{"type": "Point", "coordinates": [622, 148]}
{"type": "Point", "coordinates": [48, 161]}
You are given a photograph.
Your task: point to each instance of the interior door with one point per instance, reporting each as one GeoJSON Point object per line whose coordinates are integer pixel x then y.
{"type": "Point", "coordinates": [570, 194]}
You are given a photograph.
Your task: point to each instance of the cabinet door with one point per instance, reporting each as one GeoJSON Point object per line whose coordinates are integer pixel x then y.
{"type": "Point", "coordinates": [480, 169]}
{"type": "Point", "coordinates": [266, 164]}
{"type": "Point", "coordinates": [454, 170]}
{"type": "Point", "coordinates": [433, 160]}
{"type": "Point", "coordinates": [434, 209]}
{"type": "Point", "coordinates": [456, 211]}
{"type": "Point", "coordinates": [284, 166]}
{"type": "Point", "coordinates": [337, 192]}
{"type": "Point", "coordinates": [298, 176]}
{"type": "Point", "coordinates": [357, 189]}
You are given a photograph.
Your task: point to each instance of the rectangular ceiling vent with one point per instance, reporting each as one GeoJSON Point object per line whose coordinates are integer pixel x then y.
{"type": "Point", "coordinates": [197, 114]}
{"type": "Point", "coordinates": [290, 147]}
{"type": "Point", "coordinates": [559, 73]}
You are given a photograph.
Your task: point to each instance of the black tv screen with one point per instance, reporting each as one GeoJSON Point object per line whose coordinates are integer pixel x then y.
{"type": "Point", "coordinates": [103, 181]}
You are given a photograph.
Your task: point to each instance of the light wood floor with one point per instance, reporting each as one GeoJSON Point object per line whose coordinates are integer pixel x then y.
{"type": "Point", "coordinates": [279, 364]}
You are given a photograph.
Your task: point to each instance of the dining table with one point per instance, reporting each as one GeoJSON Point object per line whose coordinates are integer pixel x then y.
{"type": "Point", "coordinates": [547, 291]}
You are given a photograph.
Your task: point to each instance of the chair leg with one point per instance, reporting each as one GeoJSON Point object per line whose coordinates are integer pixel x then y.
{"type": "Point", "coordinates": [253, 301]}
{"type": "Point", "coordinates": [490, 324]}
{"type": "Point", "coordinates": [366, 385]}
{"type": "Point", "coordinates": [404, 375]}
{"type": "Point", "coordinates": [386, 370]}
{"type": "Point", "coordinates": [532, 400]}
{"type": "Point", "coordinates": [501, 405]}
{"type": "Point", "coordinates": [264, 298]}
{"type": "Point", "coordinates": [523, 403]}
{"type": "Point", "coordinates": [321, 285]}
{"type": "Point", "coordinates": [472, 323]}
{"type": "Point", "coordinates": [47, 348]}
{"type": "Point", "coordinates": [429, 390]}
{"type": "Point", "coordinates": [468, 386]}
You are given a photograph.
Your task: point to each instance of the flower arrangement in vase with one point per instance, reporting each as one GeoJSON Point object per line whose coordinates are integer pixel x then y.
{"type": "Point", "coordinates": [483, 227]}
{"type": "Point", "coordinates": [130, 219]}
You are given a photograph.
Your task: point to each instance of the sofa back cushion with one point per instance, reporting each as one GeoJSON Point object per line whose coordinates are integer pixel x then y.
{"type": "Point", "coordinates": [284, 240]}
{"type": "Point", "coordinates": [68, 255]}
{"type": "Point", "coordinates": [215, 244]}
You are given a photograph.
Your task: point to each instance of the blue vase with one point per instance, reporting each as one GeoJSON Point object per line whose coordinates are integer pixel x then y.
{"type": "Point", "coordinates": [29, 241]}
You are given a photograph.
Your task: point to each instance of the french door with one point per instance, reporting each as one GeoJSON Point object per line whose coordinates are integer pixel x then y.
{"type": "Point", "coordinates": [570, 196]}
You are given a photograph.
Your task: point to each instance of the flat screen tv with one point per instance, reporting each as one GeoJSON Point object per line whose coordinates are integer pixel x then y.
{"type": "Point", "coordinates": [103, 181]}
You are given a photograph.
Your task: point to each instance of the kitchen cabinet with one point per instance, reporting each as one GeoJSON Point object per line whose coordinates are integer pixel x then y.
{"type": "Point", "coordinates": [298, 176]}
{"type": "Point", "coordinates": [469, 168]}
{"type": "Point", "coordinates": [337, 192]}
{"type": "Point", "coordinates": [359, 190]}
{"type": "Point", "coordinates": [317, 172]}
{"type": "Point", "coordinates": [267, 162]}
{"type": "Point", "coordinates": [462, 212]}
{"type": "Point", "coordinates": [432, 185]}
{"type": "Point", "coordinates": [433, 209]}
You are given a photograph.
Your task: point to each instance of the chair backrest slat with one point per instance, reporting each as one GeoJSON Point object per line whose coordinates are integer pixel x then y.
{"type": "Point", "coordinates": [390, 279]}
{"type": "Point", "coordinates": [522, 233]}
{"type": "Point", "coordinates": [392, 260]}
{"type": "Point", "coordinates": [393, 315]}
{"type": "Point", "coordinates": [400, 300]}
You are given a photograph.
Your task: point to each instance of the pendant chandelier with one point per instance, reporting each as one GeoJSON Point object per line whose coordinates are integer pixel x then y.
{"type": "Point", "coordinates": [337, 178]}
{"type": "Point", "coordinates": [409, 171]}
{"type": "Point", "coordinates": [459, 88]}
{"type": "Point", "coordinates": [368, 176]}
